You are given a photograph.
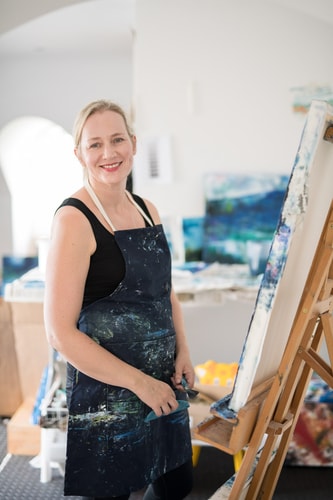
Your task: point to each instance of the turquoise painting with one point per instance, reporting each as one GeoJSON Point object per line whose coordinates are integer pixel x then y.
{"type": "Point", "coordinates": [241, 216]}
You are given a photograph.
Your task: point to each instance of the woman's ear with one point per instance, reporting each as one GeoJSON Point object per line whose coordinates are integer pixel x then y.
{"type": "Point", "coordinates": [78, 156]}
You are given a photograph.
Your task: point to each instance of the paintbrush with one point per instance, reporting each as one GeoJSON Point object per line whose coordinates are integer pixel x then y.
{"type": "Point", "coordinates": [191, 393]}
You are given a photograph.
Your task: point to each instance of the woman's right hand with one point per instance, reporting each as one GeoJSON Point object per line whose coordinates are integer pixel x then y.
{"type": "Point", "coordinates": [158, 395]}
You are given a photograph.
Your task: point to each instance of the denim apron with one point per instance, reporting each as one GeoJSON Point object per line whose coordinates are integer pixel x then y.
{"type": "Point", "coordinates": [111, 450]}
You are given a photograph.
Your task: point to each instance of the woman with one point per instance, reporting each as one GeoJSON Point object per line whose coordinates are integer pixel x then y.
{"type": "Point", "coordinates": [111, 312]}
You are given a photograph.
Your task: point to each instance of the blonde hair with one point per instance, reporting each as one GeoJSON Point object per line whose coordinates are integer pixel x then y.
{"type": "Point", "coordinates": [96, 107]}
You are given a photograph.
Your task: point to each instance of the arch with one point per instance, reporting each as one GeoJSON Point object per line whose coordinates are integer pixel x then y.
{"type": "Point", "coordinates": [40, 170]}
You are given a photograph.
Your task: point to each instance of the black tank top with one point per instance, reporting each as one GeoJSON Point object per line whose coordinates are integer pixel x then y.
{"type": "Point", "coordinates": [107, 267]}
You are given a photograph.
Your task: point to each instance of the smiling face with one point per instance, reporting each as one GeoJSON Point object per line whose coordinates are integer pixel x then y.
{"type": "Point", "coordinates": [106, 149]}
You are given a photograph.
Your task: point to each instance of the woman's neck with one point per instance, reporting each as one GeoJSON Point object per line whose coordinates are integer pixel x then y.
{"type": "Point", "coordinates": [113, 197]}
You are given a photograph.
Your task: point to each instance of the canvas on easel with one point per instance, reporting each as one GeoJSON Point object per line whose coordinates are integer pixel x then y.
{"type": "Point", "coordinates": [278, 328]}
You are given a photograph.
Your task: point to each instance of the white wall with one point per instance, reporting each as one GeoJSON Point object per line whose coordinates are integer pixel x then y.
{"type": "Point", "coordinates": [57, 87]}
{"type": "Point", "coordinates": [216, 76]}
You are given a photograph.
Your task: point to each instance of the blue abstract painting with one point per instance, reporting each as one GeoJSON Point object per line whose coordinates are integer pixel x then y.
{"type": "Point", "coordinates": [241, 216]}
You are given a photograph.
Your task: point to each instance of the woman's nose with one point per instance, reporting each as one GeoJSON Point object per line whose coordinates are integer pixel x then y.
{"type": "Point", "coordinates": [109, 151]}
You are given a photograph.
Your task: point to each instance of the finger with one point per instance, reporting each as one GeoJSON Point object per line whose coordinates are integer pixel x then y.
{"type": "Point", "coordinates": [169, 407]}
{"type": "Point", "coordinates": [178, 377]}
{"type": "Point", "coordinates": [174, 404]}
{"type": "Point", "coordinates": [175, 384]}
{"type": "Point", "coordinates": [189, 376]}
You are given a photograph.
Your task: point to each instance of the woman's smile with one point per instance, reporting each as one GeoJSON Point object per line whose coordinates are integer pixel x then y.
{"type": "Point", "coordinates": [110, 167]}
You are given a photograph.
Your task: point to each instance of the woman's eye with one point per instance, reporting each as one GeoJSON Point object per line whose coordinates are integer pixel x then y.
{"type": "Point", "coordinates": [116, 140]}
{"type": "Point", "coordinates": [95, 145]}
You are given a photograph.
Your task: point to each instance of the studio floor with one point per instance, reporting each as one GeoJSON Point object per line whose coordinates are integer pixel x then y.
{"type": "Point", "coordinates": [20, 480]}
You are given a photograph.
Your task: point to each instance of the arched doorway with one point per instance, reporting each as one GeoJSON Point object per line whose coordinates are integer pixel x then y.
{"type": "Point", "coordinates": [39, 169]}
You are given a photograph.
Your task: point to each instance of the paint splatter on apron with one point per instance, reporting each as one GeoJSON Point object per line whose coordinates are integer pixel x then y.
{"type": "Point", "coordinates": [111, 451]}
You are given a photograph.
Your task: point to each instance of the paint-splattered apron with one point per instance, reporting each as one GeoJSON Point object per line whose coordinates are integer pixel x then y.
{"type": "Point", "coordinates": [111, 451]}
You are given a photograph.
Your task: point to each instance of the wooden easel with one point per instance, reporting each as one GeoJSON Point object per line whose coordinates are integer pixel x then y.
{"type": "Point", "coordinates": [264, 426]}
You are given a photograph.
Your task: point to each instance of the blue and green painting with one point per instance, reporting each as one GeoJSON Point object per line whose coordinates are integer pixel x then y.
{"type": "Point", "coordinates": [241, 216]}
{"type": "Point", "coordinates": [193, 238]}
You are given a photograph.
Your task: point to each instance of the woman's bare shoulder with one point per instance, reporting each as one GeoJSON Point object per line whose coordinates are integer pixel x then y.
{"type": "Point", "coordinates": [152, 210]}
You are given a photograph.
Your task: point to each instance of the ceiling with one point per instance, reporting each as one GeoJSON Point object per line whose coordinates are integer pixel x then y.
{"type": "Point", "coordinates": [83, 26]}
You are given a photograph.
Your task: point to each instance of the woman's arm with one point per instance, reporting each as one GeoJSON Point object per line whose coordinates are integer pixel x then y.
{"type": "Point", "coordinates": [72, 243]}
{"type": "Point", "coordinates": [183, 364]}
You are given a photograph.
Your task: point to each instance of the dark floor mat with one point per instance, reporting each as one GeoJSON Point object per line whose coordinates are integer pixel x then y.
{"type": "Point", "coordinates": [20, 481]}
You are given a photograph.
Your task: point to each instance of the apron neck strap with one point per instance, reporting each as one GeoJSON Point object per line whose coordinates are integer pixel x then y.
{"type": "Point", "coordinates": [100, 207]}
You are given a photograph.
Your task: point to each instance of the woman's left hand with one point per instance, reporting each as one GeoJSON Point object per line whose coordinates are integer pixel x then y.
{"type": "Point", "coordinates": [183, 368]}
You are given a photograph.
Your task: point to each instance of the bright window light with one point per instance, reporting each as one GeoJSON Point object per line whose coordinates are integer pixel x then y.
{"type": "Point", "coordinates": [40, 168]}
